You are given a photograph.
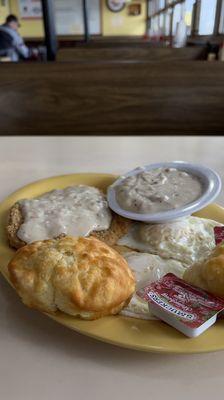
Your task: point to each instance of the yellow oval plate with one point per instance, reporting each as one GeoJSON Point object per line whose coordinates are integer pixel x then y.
{"type": "Point", "coordinates": [151, 336]}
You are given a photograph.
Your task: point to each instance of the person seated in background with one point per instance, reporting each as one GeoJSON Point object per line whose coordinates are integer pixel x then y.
{"type": "Point", "coordinates": [11, 43]}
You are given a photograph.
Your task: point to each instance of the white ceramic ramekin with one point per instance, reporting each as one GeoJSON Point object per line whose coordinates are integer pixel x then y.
{"type": "Point", "coordinates": [211, 184]}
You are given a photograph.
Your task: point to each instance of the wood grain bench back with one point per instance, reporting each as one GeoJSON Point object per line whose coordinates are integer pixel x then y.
{"type": "Point", "coordinates": [143, 54]}
{"type": "Point", "coordinates": [117, 98]}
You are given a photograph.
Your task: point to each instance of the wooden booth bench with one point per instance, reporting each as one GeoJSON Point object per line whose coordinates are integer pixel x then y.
{"type": "Point", "coordinates": [112, 98]}
{"type": "Point", "coordinates": [129, 53]}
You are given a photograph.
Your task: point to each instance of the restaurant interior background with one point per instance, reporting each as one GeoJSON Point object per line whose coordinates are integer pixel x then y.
{"type": "Point", "coordinates": [115, 67]}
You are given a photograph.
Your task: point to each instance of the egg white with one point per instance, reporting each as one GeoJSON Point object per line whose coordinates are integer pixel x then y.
{"type": "Point", "coordinates": [147, 268]}
{"type": "Point", "coordinates": [187, 240]}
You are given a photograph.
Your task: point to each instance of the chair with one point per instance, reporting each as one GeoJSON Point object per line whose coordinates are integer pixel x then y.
{"type": "Point", "coordinates": [6, 46]}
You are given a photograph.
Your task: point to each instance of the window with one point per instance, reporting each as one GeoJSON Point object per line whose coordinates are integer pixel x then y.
{"type": "Point", "coordinates": [161, 22]}
{"type": "Point", "coordinates": [162, 3]}
{"type": "Point", "coordinates": [221, 24]}
{"type": "Point", "coordinates": [69, 17]}
{"type": "Point", "coordinates": [188, 7]}
{"type": "Point", "coordinates": [176, 17]}
{"type": "Point", "coordinates": [167, 23]}
{"type": "Point", "coordinates": [204, 21]}
{"type": "Point", "coordinates": [207, 17]}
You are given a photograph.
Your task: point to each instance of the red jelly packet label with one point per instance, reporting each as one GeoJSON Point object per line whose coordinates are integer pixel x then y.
{"type": "Point", "coordinates": [192, 306]}
{"type": "Point", "coordinates": [219, 234]}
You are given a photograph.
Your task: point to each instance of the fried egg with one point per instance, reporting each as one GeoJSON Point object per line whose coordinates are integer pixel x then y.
{"type": "Point", "coordinates": [147, 268]}
{"type": "Point", "coordinates": [187, 240]}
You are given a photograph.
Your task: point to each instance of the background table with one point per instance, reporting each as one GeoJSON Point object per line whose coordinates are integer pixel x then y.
{"type": "Point", "coordinates": [41, 360]}
{"type": "Point", "coordinates": [112, 97]}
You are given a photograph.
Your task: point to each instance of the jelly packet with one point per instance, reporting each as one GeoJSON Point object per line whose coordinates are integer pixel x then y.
{"type": "Point", "coordinates": [188, 309]}
{"type": "Point", "coordinates": [219, 234]}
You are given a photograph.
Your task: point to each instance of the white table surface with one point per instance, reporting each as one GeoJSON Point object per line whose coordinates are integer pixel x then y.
{"type": "Point", "coordinates": [41, 360]}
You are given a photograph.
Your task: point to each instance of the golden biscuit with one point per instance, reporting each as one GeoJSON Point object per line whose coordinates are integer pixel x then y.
{"type": "Point", "coordinates": [79, 276]}
{"type": "Point", "coordinates": [209, 274]}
